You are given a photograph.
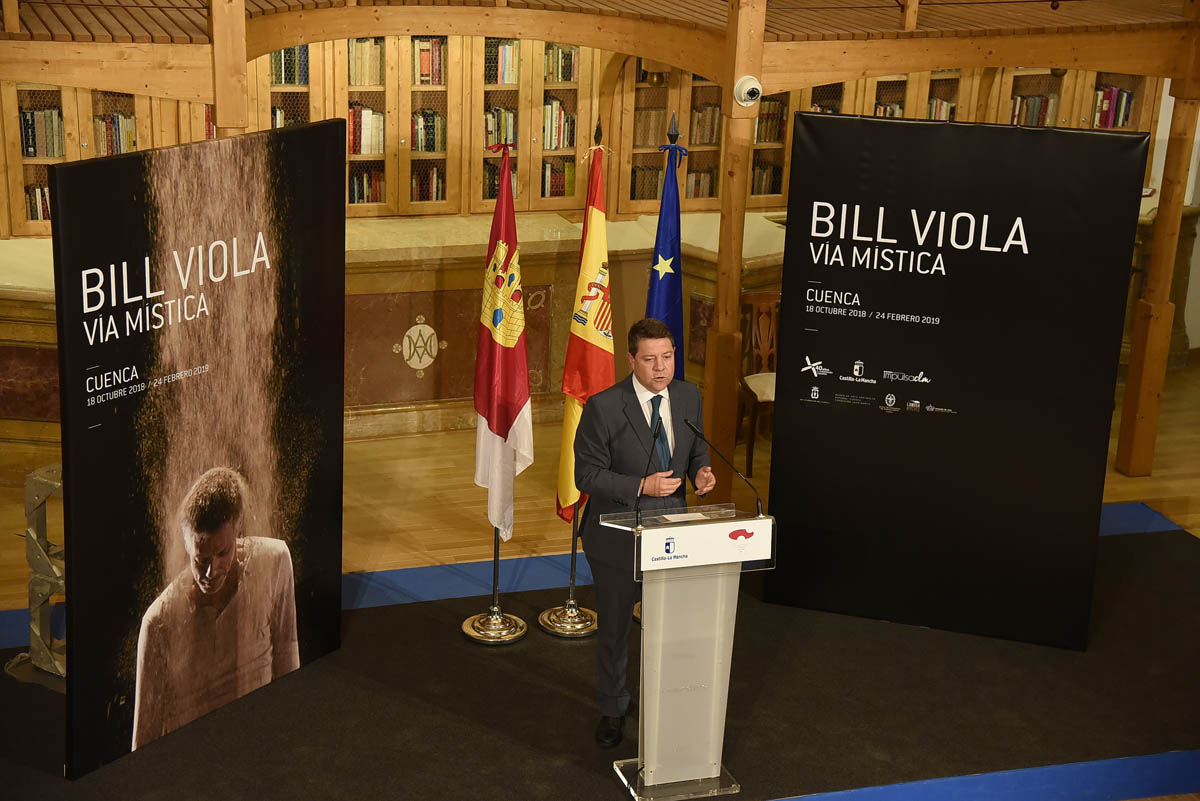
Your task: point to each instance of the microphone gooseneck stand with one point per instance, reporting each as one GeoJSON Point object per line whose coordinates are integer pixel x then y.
{"type": "Point", "coordinates": [724, 458]}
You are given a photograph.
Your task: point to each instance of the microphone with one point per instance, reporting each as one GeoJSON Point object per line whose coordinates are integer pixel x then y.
{"type": "Point", "coordinates": [637, 505]}
{"type": "Point", "coordinates": [725, 459]}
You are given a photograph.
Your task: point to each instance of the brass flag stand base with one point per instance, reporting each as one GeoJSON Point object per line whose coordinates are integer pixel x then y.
{"type": "Point", "coordinates": [493, 627]}
{"type": "Point", "coordinates": [570, 619]}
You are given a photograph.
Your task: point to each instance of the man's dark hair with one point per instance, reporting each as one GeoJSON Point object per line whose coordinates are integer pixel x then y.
{"type": "Point", "coordinates": [216, 498]}
{"type": "Point", "coordinates": [648, 328]}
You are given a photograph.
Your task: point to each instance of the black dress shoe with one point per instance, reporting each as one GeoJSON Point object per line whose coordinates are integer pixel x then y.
{"type": "Point", "coordinates": [608, 732]}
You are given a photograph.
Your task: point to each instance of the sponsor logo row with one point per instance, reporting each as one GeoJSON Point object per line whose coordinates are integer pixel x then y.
{"type": "Point", "coordinates": [888, 403]}
{"type": "Point", "coordinates": [858, 373]}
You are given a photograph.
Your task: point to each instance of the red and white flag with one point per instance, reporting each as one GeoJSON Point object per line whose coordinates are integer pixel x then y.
{"type": "Point", "coordinates": [589, 365]}
{"type": "Point", "coordinates": [504, 428]}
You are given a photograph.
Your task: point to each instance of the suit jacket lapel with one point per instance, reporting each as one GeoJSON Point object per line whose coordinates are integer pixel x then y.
{"type": "Point", "coordinates": [636, 417]}
{"type": "Point", "coordinates": [678, 427]}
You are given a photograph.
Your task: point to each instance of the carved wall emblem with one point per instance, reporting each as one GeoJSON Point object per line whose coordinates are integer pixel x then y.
{"type": "Point", "coordinates": [420, 346]}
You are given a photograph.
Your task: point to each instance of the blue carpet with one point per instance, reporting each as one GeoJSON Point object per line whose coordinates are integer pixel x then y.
{"type": "Point", "coordinates": [14, 626]}
{"type": "Point", "coordinates": [436, 582]}
{"type": "Point", "coordinates": [1132, 518]}
{"type": "Point", "coordinates": [1174, 773]}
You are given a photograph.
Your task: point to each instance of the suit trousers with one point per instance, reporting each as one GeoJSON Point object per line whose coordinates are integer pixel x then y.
{"type": "Point", "coordinates": [616, 593]}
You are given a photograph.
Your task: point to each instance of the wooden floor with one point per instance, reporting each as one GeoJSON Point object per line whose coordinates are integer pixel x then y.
{"type": "Point", "coordinates": [411, 501]}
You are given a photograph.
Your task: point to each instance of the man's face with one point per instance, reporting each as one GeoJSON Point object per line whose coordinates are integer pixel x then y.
{"type": "Point", "coordinates": [654, 363]}
{"type": "Point", "coordinates": [211, 555]}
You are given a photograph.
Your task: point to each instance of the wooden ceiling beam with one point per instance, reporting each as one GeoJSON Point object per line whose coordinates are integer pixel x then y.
{"type": "Point", "coordinates": [180, 72]}
{"type": "Point", "coordinates": [1159, 52]}
{"type": "Point", "coordinates": [685, 47]}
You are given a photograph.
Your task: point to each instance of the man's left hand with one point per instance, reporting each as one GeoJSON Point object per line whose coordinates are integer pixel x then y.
{"type": "Point", "coordinates": [705, 481]}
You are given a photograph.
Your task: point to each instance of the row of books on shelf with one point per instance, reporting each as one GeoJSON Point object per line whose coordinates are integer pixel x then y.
{"type": "Point", "coordinates": [558, 126]}
{"type": "Point", "coordinates": [826, 108]}
{"type": "Point", "coordinates": [767, 180]}
{"type": "Point", "coordinates": [366, 62]}
{"type": "Point", "coordinates": [772, 119]}
{"type": "Point", "coordinates": [1038, 111]}
{"type": "Point", "coordinates": [647, 183]}
{"type": "Point", "coordinates": [701, 183]}
{"type": "Point", "coordinates": [706, 125]}
{"type": "Point", "coordinates": [367, 187]}
{"type": "Point", "coordinates": [940, 109]}
{"type": "Point", "coordinates": [562, 64]}
{"type": "Point", "coordinates": [281, 118]}
{"type": "Point", "coordinates": [558, 178]}
{"type": "Point", "coordinates": [491, 180]}
{"type": "Point", "coordinates": [499, 125]}
{"type": "Point", "coordinates": [1111, 106]}
{"type": "Point", "coordinates": [42, 133]}
{"type": "Point", "coordinates": [210, 125]}
{"type": "Point", "coordinates": [429, 58]}
{"type": "Point", "coordinates": [114, 133]}
{"type": "Point", "coordinates": [889, 109]}
{"type": "Point", "coordinates": [364, 130]}
{"type": "Point", "coordinates": [429, 184]}
{"type": "Point", "coordinates": [37, 202]}
{"type": "Point", "coordinates": [429, 131]}
{"type": "Point", "coordinates": [289, 66]}
{"type": "Point", "coordinates": [650, 127]}
{"type": "Point", "coordinates": [501, 59]}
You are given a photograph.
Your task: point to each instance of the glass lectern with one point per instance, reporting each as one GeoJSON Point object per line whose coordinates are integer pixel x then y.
{"type": "Point", "coordinates": [689, 561]}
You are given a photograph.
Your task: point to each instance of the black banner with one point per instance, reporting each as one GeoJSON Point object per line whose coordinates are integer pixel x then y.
{"type": "Point", "coordinates": [954, 298]}
{"type": "Point", "coordinates": [200, 299]}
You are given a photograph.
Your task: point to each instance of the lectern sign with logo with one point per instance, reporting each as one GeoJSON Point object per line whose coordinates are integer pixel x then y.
{"type": "Point", "coordinates": [690, 562]}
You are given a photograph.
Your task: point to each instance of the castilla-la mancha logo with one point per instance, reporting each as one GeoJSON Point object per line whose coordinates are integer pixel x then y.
{"type": "Point", "coordinates": [669, 545]}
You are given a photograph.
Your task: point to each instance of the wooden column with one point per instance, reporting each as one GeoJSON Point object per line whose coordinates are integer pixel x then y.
{"type": "Point", "coordinates": [1154, 312]}
{"type": "Point", "coordinates": [227, 29]}
{"type": "Point", "coordinates": [609, 70]}
{"type": "Point", "coordinates": [723, 352]}
{"type": "Point", "coordinates": [908, 18]}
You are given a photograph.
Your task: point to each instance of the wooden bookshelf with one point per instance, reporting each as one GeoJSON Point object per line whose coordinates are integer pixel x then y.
{"type": "Point", "coordinates": [646, 114]}
{"type": "Point", "coordinates": [896, 96]}
{"type": "Point", "coordinates": [41, 128]}
{"type": "Point", "coordinates": [771, 159]}
{"type": "Point", "coordinates": [704, 136]}
{"type": "Point", "coordinates": [563, 118]}
{"type": "Point", "coordinates": [430, 122]}
{"type": "Point", "coordinates": [1022, 85]}
{"type": "Point", "coordinates": [832, 98]}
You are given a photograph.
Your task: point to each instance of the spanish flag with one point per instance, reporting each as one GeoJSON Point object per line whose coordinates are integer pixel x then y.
{"type": "Point", "coordinates": [589, 364]}
{"type": "Point", "coordinates": [504, 425]}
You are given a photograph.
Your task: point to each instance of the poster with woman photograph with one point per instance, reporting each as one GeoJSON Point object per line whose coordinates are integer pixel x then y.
{"type": "Point", "coordinates": [200, 326]}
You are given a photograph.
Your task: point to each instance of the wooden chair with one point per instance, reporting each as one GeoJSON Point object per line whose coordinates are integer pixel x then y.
{"type": "Point", "coordinates": [758, 378]}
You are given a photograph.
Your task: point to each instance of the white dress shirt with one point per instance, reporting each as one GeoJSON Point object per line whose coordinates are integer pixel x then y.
{"type": "Point", "coordinates": [664, 409]}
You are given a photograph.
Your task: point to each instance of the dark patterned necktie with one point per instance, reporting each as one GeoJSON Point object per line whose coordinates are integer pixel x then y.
{"type": "Point", "coordinates": [661, 444]}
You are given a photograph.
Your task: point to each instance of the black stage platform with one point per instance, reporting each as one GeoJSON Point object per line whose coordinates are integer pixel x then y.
{"type": "Point", "coordinates": [410, 709]}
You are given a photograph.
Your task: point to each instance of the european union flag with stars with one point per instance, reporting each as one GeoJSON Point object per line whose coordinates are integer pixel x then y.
{"type": "Point", "coordinates": [664, 301]}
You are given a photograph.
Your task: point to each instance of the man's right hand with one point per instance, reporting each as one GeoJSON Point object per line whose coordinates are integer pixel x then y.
{"type": "Point", "coordinates": [660, 485]}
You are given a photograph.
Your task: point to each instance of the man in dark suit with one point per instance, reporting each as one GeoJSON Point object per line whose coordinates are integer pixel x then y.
{"type": "Point", "coordinates": [612, 447]}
